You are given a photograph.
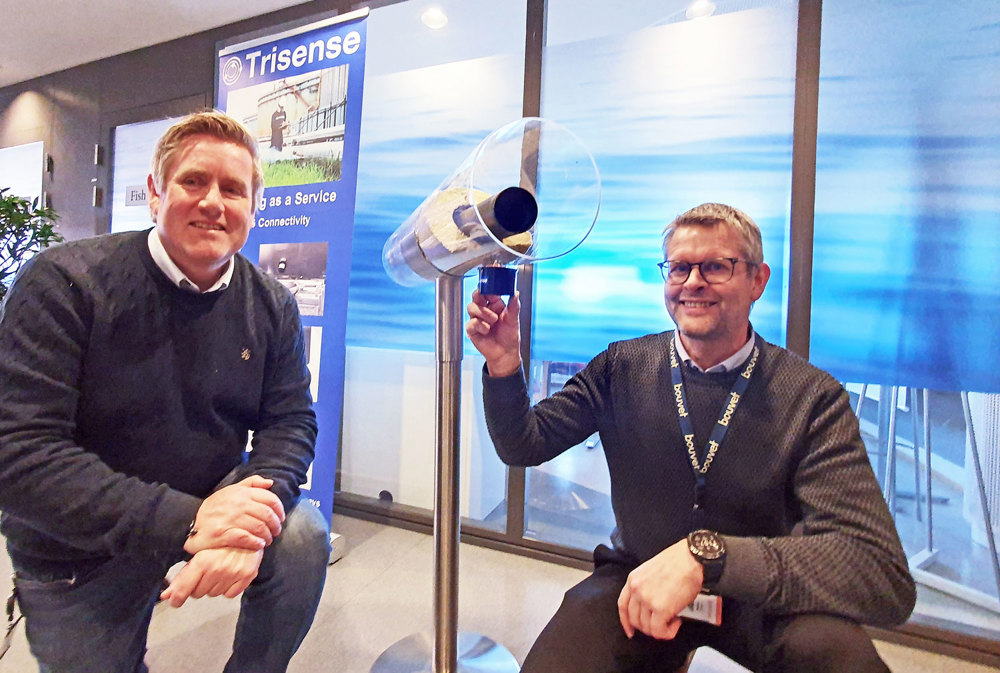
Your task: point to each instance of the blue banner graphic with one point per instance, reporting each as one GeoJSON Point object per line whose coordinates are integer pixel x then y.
{"type": "Point", "coordinates": [299, 91]}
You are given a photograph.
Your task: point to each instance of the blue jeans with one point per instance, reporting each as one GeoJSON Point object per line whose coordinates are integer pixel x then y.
{"type": "Point", "coordinates": [93, 616]}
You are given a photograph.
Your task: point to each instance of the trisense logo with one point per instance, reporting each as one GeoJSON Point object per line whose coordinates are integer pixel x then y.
{"type": "Point", "coordinates": [269, 62]}
{"type": "Point", "coordinates": [232, 70]}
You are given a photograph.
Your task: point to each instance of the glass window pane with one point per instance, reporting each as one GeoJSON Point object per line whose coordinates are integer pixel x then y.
{"type": "Point", "coordinates": [21, 174]}
{"type": "Point", "coordinates": [133, 146]}
{"type": "Point", "coordinates": [677, 112]}
{"type": "Point", "coordinates": [905, 272]}
{"type": "Point", "coordinates": [430, 97]}
{"type": "Point", "coordinates": [22, 168]}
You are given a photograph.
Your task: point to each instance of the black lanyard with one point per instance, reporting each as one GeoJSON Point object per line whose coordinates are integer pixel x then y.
{"type": "Point", "coordinates": [701, 462]}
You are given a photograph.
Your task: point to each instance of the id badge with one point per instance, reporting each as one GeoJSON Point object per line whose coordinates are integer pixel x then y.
{"type": "Point", "coordinates": [705, 608]}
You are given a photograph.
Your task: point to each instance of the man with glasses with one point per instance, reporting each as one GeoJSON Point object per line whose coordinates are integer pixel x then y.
{"type": "Point", "coordinates": [739, 480]}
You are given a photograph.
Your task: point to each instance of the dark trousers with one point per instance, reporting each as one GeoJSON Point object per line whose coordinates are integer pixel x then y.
{"type": "Point", "coordinates": [585, 636]}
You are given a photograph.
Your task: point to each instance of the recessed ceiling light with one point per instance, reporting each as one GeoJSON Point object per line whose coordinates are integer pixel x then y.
{"type": "Point", "coordinates": [434, 18]}
{"type": "Point", "coordinates": [700, 9]}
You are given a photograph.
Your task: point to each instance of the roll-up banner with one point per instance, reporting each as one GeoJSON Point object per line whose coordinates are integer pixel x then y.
{"type": "Point", "coordinates": [299, 91]}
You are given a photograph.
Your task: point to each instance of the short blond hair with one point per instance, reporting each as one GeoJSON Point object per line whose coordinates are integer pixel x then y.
{"type": "Point", "coordinates": [209, 123]}
{"type": "Point", "coordinates": [710, 214]}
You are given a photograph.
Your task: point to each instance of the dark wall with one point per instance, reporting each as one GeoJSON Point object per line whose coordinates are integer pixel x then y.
{"type": "Point", "coordinates": [73, 110]}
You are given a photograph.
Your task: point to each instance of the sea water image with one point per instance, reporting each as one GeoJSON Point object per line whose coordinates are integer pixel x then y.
{"type": "Point", "coordinates": [896, 200]}
{"type": "Point", "coordinates": [664, 139]}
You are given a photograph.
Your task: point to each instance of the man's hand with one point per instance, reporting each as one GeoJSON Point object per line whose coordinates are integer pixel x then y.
{"type": "Point", "coordinates": [657, 590]}
{"type": "Point", "coordinates": [494, 329]}
{"type": "Point", "coordinates": [214, 572]}
{"type": "Point", "coordinates": [244, 515]}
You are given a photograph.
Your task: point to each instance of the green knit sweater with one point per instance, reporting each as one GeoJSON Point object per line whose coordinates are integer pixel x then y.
{"type": "Point", "coordinates": [791, 488]}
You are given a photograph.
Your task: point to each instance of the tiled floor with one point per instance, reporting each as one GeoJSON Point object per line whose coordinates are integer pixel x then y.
{"type": "Point", "coordinates": [381, 591]}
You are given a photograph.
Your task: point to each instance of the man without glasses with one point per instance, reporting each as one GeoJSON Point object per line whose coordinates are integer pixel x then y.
{"type": "Point", "coordinates": [133, 367]}
{"type": "Point", "coordinates": [738, 474]}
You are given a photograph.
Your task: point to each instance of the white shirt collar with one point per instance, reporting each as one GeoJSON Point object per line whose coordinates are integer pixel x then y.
{"type": "Point", "coordinates": [174, 273]}
{"type": "Point", "coordinates": [727, 365]}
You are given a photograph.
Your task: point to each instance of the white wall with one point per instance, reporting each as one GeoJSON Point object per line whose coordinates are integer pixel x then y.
{"type": "Point", "coordinates": [21, 169]}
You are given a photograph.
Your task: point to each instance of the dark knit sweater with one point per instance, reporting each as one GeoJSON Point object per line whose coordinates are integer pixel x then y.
{"type": "Point", "coordinates": [124, 400]}
{"type": "Point", "coordinates": [790, 489]}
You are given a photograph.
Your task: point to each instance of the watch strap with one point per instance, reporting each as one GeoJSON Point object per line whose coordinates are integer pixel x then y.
{"type": "Point", "coordinates": [709, 550]}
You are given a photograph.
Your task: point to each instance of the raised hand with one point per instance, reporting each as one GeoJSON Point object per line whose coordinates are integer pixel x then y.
{"type": "Point", "coordinates": [245, 515]}
{"type": "Point", "coordinates": [494, 329]}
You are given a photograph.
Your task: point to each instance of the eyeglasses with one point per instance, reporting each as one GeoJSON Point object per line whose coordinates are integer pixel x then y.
{"type": "Point", "coordinates": [714, 271]}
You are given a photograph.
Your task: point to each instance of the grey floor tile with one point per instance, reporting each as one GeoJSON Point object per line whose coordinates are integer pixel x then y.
{"type": "Point", "coordinates": [382, 592]}
{"type": "Point", "coordinates": [902, 659]}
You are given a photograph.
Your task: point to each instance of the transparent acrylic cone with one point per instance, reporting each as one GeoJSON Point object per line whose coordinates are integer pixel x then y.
{"type": "Point", "coordinates": [530, 191]}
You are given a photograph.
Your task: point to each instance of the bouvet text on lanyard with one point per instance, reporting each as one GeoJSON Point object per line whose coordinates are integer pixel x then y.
{"type": "Point", "coordinates": [701, 463]}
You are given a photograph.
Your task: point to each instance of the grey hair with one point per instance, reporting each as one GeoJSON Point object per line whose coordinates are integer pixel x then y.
{"type": "Point", "coordinates": [709, 214]}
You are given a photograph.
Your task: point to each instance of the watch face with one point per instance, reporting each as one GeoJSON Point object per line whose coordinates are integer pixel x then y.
{"type": "Point", "coordinates": [706, 544]}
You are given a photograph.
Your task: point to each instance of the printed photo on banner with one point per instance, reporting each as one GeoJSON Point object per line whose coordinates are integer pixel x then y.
{"type": "Point", "coordinates": [301, 267]}
{"type": "Point", "coordinates": [299, 122]}
{"type": "Point", "coordinates": [314, 350]}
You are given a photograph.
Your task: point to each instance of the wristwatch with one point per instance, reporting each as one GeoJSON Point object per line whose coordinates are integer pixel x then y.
{"type": "Point", "coordinates": [709, 550]}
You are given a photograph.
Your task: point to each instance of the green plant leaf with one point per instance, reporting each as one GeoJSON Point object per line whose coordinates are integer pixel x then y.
{"type": "Point", "coordinates": [25, 229]}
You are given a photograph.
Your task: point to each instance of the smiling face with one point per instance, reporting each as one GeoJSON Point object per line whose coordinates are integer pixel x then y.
{"type": "Point", "coordinates": [204, 208]}
{"type": "Point", "coordinates": [712, 320]}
